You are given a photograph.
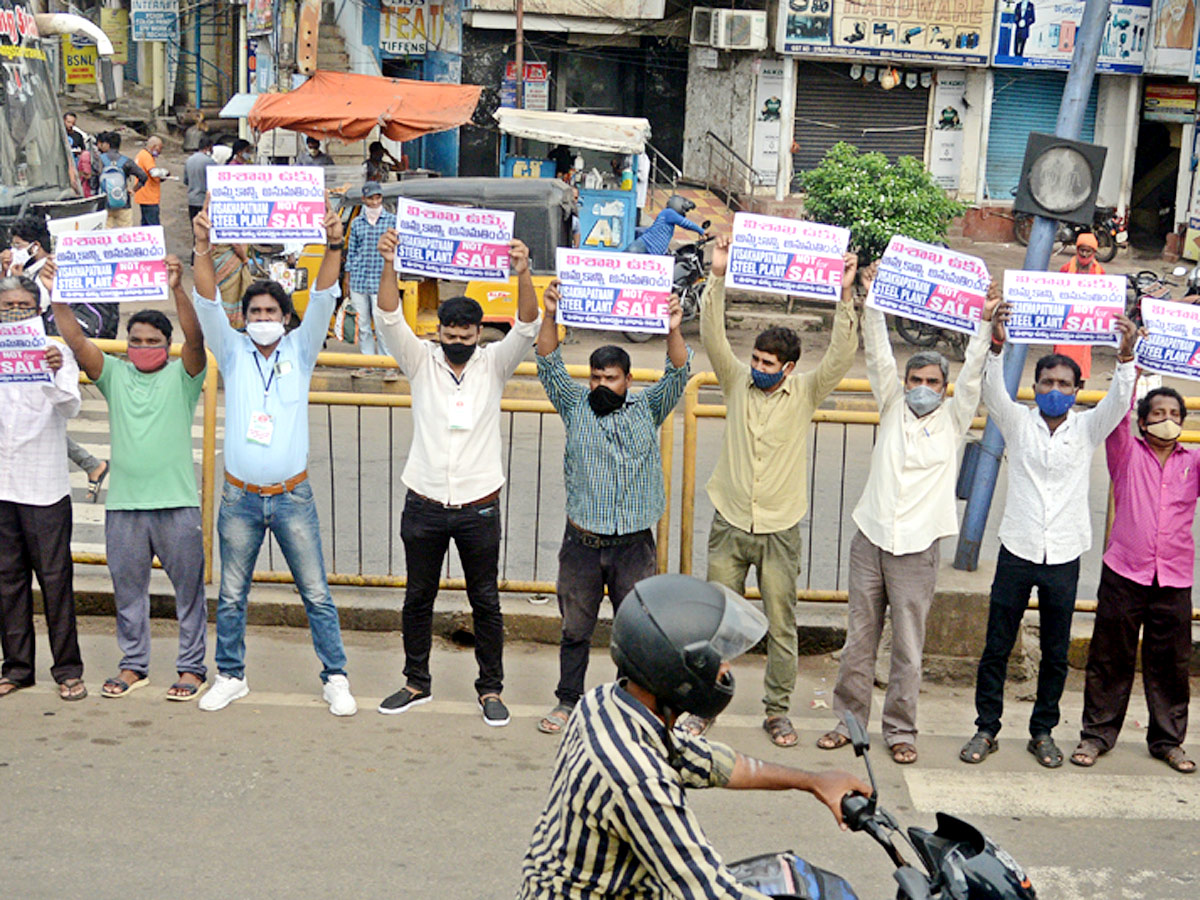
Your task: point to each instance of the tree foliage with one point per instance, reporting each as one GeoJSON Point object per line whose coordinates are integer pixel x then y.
{"type": "Point", "coordinates": [876, 199]}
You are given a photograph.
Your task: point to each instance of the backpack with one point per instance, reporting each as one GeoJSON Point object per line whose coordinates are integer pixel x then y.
{"type": "Point", "coordinates": [114, 182]}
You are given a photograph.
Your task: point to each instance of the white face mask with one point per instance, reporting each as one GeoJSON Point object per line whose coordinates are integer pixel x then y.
{"type": "Point", "coordinates": [20, 256]}
{"type": "Point", "coordinates": [373, 213]}
{"type": "Point", "coordinates": [264, 333]}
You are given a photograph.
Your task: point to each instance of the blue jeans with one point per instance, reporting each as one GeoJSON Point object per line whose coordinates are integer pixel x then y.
{"type": "Point", "coordinates": [241, 525]}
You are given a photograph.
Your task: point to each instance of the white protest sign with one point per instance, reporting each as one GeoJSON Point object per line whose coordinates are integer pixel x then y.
{"type": "Point", "coordinates": [787, 256]}
{"type": "Point", "coordinates": [452, 242]}
{"type": "Point", "coordinates": [266, 204]}
{"type": "Point", "coordinates": [930, 284]}
{"type": "Point", "coordinates": [1061, 308]}
{"type": "Point", "coordinates": [614, 291]}
{"type": "Point", "coordinates": [1173, 346]}
{"type": "Point", "coordinates": [119, 266]}
{"type": "Point", "coordinates": [23, 352]}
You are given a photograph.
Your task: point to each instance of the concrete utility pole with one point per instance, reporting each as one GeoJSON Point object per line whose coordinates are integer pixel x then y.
{"type": "Point", "coordinates": [1037, 257]}
{"type": "Point", "coordinates": [519, 15]}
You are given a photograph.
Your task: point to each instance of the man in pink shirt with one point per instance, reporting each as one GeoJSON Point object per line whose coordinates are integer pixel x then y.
{"type": "Point", "coordinates": [1146, 582]}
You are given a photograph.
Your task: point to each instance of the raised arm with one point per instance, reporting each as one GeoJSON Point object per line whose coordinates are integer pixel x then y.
{"type": "Point", "coordinates": [214, 323]}
{"type": "Point", "coordinates": [204, 276]}
{"type": "Point", "coordinates": [547, 339]}
{"type": "Point", "coordinates": [565, 392]}
{"type": "Point", "coordinates": [1109, 412]}
{"type": "Point", "coordinates": [967, 388]}
{"type": "Point", "coordinates": [507, 354]}
{"type": "Point", "coordinates": [193, 355]}
{"type": "Point", "coordinates": [838, 359]}
{"type": "Point", "coordinates": [331, 262]}
{"type": "Point", "coordinates": [712, 318]}
{"type": "Point", "coordinates": [406, 348]}
{"type": "Point", "coordinates": [527, 305]}
{"type": "Point", "coordinates": [86, 353]}
{"type": "Point", "coordinates": [877, 346]}
{"type": "Point", "coordinates": [665, 393]}
{"type": "Point", "coordinates": [1119, 442]}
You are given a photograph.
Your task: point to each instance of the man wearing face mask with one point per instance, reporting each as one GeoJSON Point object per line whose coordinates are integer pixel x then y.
{"type": "Point", "coordinates": [760, 484]}
{"type": "Point", "coordinates": [454, 473]}
{"type": "Point", "coordinates": [613, 474]}
{"type": "Point", "coordinates": [267, 371]}
{"type": "Point", "coordinates": [1045, 528]}
{"type": "Point", "coordinates": [905, 510]}
{"type": "Point", "coordinates": [153, 507]}
{"type": "Point", "coordinates": [365, 265]}
{"type": "Point", "coordinates": [149, 196]}
{"type": "Point", "coordinates": [1145, 585]}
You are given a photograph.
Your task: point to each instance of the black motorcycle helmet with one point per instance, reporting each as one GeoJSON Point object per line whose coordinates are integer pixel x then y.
{"type": "Point", "coordinates": [671, 634]}
{"type": "Point", "coordinates": [681, 205]}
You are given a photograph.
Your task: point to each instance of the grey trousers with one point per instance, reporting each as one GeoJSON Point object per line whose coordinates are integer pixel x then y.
{"type": "Point", "coordinates": [906, 584]}
{"type": "Point", "coordinates": [133, 538]}
{"type": "Point", "coordinates": [81, 457]}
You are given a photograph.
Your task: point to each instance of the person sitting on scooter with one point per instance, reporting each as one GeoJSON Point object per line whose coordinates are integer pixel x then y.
{"type": "Point", "coordinates": [1082, 263]}
{"type": "Point", "coordinates": [656, 239]}
{"type": "Point", "coordinates": [617, 822]}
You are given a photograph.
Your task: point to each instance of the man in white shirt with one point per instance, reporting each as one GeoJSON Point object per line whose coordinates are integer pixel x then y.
{"type": "Point", "coordinates": [1045, 528]}
{"type": "Point", "coordinates": [35, 505]}
{"type": "Point", "coordinates": [454, 472]}
{"type": "Point", "coordinates": [905, 510]}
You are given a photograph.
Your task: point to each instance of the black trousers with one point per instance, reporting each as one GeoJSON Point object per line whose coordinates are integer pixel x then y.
{"type": "Point", "coordinates": [1164, 616]}
{"type": "Point", "coordinates": [37, 539]}
{"type": "Point", "coordinates": [583, 574]}
{"type": "Point", "coordinates": [1014, 581]}
{"type": "Point", "coordinates": [426, 529]}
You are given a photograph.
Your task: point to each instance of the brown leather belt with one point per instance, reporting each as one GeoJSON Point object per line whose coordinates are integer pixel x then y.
{"type": "Point", "coordinates": [268, 490]}
{"type": "Point", "coordinates": [482, 501]}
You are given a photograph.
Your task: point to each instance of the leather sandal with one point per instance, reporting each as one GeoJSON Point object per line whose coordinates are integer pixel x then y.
{"type": "Point", "coordinates": [1086, 754]}
{"type": "Point", "coordinates": [781, 731]}
{"type": "Point", "coordinates": [832, 740]}
{"type": "Point", "coordinates": [978, 748]}
{"type": "Point", "coordinates": [1178, 760]}
{"type": "Point", "coordinates": [1045, 751]}
{"type": "Point", "coordinates": [904, 753]}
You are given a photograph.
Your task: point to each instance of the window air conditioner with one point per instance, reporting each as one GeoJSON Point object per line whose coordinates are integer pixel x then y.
{"type": "Point", "coordinates": [702, 26]}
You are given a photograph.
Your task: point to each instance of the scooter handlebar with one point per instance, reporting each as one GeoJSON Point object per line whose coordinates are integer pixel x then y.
{"type": "Point", "coordinates": [857, 810]}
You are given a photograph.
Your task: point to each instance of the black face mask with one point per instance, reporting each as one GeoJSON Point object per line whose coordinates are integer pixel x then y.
{"type": "Point", "coordinates": [457, 354]}
{"type": "Point", "coordinates": [605, 400]}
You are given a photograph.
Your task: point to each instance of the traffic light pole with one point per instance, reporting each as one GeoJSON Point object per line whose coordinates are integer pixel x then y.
{"type": "Point", "coordinates": [1037, 257]}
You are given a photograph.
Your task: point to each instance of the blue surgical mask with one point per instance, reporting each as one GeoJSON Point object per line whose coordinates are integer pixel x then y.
{"type": "Point", "coordinates": [764, 381]}
{"type": "Point", "coordinates": [1054, 403]}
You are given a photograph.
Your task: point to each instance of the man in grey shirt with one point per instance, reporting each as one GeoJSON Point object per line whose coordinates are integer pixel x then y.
{"type": "Point", "coordinates": [194, 177]}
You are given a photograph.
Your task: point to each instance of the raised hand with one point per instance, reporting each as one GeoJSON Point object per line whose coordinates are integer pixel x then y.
{"type": "Point", "coordinates": [850, 261]}
{"type": "Point", "coordinates": [334, 229]}
{"type": "Point", "coordinates": [994, 299]}
{"type": "Point", "coordinates": [720, 257]}
{"type": "Point", "coordinates": [54, 357]}
{"type": "Point", "coordinates": [174, 272]}
{"type": "Point", "coordinates": [675, 309]}
{"type": "Point", "coordinates": [518, 256]}
{"type": "Point", "coordinates": [388, 242]}
{"type": "Point", "coordinates": [1129, 334]}
{"type": "Point", "coordinates": [550, 298]}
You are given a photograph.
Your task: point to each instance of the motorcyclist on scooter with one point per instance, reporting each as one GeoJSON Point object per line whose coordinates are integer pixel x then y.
{"type": "Point", "coordinates": [656, 239]}
{"type": "Point", "coordinates": [617, 822]}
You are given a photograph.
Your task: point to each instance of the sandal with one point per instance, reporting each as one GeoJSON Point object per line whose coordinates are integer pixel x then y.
{"type": "Point", "coordinates": [93, 488]}
{"type": "Point", "coordinates": [1045, 751]}
{"type": "Point", "coordinates": [8, 686]}
{"type": "Point", "coordinates": [183, 691]}
{"type": "Point", "coordinates": [832, 740]}
{"type": "Point", "coordinates": [781, 731]}
{"type": "Point", "coordinates": [1178, 760]}
{"type": "Point", "coordinates": [978, 748]}
{"type": "Point", "coordinates": [904, 754]}
{"type": "Point", "coordinates": [695, 725]}
{"type": "Point", "coordinates": [72, 689]}
{"type": "Point", "coordinates": [118, 687]}
{"type": "Point", "coordinates": [1086, 754]}
{"type": "Point", "coordinates": [555, 721]}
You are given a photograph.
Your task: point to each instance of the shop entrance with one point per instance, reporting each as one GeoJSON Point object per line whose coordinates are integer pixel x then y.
{"type": "Point", "coordinates": [1155, 179]}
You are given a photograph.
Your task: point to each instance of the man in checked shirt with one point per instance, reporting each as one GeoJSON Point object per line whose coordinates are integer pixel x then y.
{"type": "Point", "coordinates": [613, 474]}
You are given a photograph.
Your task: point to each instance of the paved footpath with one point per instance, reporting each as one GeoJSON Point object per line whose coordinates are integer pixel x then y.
{"type": "Point", "coordinates": [274, 797]}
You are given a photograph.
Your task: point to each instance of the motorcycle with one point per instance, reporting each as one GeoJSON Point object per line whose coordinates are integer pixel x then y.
{"type": "Point", "coordinates": [960, 862]}
{"type": "Point", "coordinates": [1108, 228]}
{"type": "Point", "coordinates": [1150, 284]}
{"type": "Point", "coordinates": [691, 271]}
{"type": "Point", "coordinates": [921, 334]}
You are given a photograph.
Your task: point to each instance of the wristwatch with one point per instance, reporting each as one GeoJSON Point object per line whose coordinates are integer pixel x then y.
{"type": "Point", "coordinates": [340, 245]}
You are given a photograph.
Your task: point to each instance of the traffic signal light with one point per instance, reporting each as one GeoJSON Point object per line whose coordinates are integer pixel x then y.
{"type": "Point", "coordinates": [1060, 178]}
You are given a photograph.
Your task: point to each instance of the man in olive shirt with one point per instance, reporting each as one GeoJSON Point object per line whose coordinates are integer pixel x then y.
{"type": "Point", "coordinates": [153, 507]}
{"type": "Point", "coordinates": [759, 486]}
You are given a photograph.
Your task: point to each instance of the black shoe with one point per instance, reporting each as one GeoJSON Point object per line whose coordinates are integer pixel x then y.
{"type": "Point", "coordinates": [495, 713]}
{"type": "Point", "coordinates": [402, 701]}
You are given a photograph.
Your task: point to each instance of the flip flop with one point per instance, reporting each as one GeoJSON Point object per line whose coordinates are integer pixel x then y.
{"type": "Point", "coordinates": [1178, 760]}
{"type": "Point", "coordinates": [191, 691]}
{"type": "Point", "coordinates": [13, 686]}
{"type": "Point", "coordinates": [117, 687]}
{"type": "Point", "coordinates": [832, 740]}
{"type": "Point", "coordinates": [1086, 754]}
{"type": "Point", "coordinates": [903, 754]}
{"type": "Point", "coordinates": [75, 690]}
{"type": "Point", "coordinates": [555, 721]}
{"type": "Point", "coordinates": [93, 489]}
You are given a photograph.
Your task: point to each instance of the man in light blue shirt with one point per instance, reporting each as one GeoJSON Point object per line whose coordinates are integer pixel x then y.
{"type": "Point", "coordinates": [267, 373]}
{"type": "Point", "coordinates": [656, 239]}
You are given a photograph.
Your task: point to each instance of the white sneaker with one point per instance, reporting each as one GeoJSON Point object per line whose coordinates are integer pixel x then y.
{"type": "Point", "coordinates": [337, 695]}
{"type": "Point", "coordinates": [223, 692]}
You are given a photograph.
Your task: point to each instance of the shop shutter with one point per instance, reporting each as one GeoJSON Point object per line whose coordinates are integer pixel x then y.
{"type": "Point", "coordinates": [1023, 102]}
{"type": "Point", "coordinates": [830, 107]}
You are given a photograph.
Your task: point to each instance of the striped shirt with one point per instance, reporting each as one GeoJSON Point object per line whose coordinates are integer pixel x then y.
{"type": "Point", "coordinates": [612, 466]}
{"type": "Point", "coordinates": [617, 823]}
{"type": "Point", "coordinates": [363, 261]}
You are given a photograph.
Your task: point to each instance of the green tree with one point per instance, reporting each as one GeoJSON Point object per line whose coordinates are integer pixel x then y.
{"type": "Point", "coordinates": [876, 199]}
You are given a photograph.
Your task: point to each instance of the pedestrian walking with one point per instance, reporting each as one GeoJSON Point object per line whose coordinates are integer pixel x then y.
{"type": "Point", "coordinates": [365, 266]}
{"type": "Point", "coordinates": [454, 473]}
{"type": "Point", "coordinates": [759, 486]}
{"type": "Point", "coordinates": [115, 171]}
{"type": "Point", "coordinates": [1045, 528]}
{"type": "Point", "coordinates": [906, 509]}
{"type": "Point", "coordinates": [612, 469]}
{"type": "Point", "coordinates": [1145, 586]}
{"type": "Point", "coordinates": [153, 507]}
{"type": "Point", "coordinates": [267, 371]}
{"type": "Point", "coordinates": [149, 196]}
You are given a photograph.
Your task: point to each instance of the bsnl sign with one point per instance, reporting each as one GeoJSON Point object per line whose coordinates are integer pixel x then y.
{"type": "Point", "coordinates": [410, 27]}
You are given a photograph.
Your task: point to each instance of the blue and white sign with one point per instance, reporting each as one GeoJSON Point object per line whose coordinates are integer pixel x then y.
{"type": "Point", "coordinates": [930, 284]}
{"type": "Point", "coordinates": [1173, 345]}
{"type": "Point", "coordinates": [1041, 34]}
{"type": "Point", "coordinates": [453, 242]}
{"type": "Point", "coordinates": [1061, 308]}
{"type": "Point", "coordinates": [614, 291]}
{"type": "Point", "coordinates": [154, 20]}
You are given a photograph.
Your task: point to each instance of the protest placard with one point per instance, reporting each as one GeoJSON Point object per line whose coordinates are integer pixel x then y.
{"type": "Point", "coordinates": [119, 266]}
{"type": "Point", "coordinates": [266, 204]}
{"type": "Point", "coordinates": [1173, 345]}
{"type": "Point", "coordinates": [615, 291]}
{"type": "Point", "coordinates": [787, 256]}
{"type": "Point", "coordinates": [930, 284]}
{"type": "Point", "coordinates": [452, 242]}
{"type": "Point", "coordinates": [1060, 308]}
{"type": "Point", "coordinates": [23, 352]}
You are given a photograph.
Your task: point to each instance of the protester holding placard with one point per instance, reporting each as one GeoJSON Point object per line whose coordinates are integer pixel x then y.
{"type": "Point", "coordinates": [1145, 585]}
{"type": "Point", "coordinates": [612, 469]}
{"type": "Point", "coordinates": [1045, 529]}
{"type": "Point", "coordinates": [364, 264]}
{"type": "Point", "coordinates": [153, 507]}
{"type": "Point", "coordinates": [759, 487]}
{"type": "Point", "coordinates": [454, 473]}
{"type": "Point", "coordinates": [1082, 263]}
{"type": "Point", "coordinates": [267, 371]}
{"type": "Point", "coordinates": [35, 508]}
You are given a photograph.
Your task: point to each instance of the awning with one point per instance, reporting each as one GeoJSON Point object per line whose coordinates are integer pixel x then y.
{"type": "Point", "coordinates": [239, 106]}
{"type": "Point", "coordinates": [346, 106]}
{"type": "Point", "coordinates": [616, 134]}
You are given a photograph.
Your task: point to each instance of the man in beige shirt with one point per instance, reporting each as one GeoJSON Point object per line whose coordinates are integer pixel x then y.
{"type": "Point", "coordinates": [759, 486]}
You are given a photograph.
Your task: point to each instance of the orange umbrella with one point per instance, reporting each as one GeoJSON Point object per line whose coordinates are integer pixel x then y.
{"type": "Point", "coordinates": [347, 106]}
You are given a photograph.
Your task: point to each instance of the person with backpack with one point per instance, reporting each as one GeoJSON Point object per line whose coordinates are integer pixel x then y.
{"type": "Point", "coordinates": [115, 172]}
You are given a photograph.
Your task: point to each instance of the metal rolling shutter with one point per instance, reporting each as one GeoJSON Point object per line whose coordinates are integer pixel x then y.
{"type": "Point", "coordinates": [1023, 102]}
{"type": "Point", "coordinates": [831, 108]}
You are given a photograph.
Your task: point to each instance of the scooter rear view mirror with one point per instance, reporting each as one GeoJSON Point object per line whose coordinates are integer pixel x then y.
{"type": "Point", "coordinates": [705, 224]}
{"type": "Point", "coordinates": [1178, 270]}
{"type": "Point", "coordinates": [858, 734]}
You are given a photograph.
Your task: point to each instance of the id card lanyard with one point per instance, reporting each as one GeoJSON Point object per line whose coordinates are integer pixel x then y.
{"type": "Point", "coordinates": [262, 424]}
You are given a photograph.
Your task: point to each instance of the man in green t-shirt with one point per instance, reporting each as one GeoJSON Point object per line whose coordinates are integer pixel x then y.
{"type": "Point", "coordinates": [153, 507]}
